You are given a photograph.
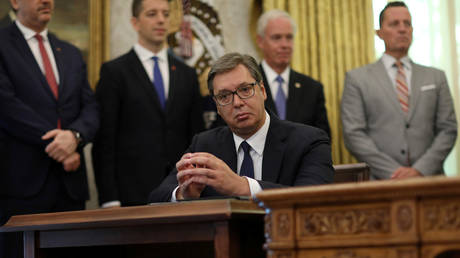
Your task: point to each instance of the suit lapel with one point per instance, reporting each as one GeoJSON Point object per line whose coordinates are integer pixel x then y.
{"type": "Point", "coordinates": [269, 103]}
{"type": "Point", "coordinates": [226, 149]}
{"type": "Point", "coordinates": [386, 85]}
{"type": "Point", "coordinates": [294, 97]}
{"type": "Point", "coordinates": [145, 84]}
{"type": "Point", "coordinates": [59, 58]}
{"type": "Point", "coordinates": [173, 82]}
{"type": "Point", "coordinates": [274, 151]}
{"type": "Point", "coordinates": [416, 83]}
{"type": "Point", "coordinates": [31, 64]}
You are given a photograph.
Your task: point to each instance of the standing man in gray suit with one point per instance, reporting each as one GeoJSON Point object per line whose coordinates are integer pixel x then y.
{"type": "Point", "coordinates": [398, 116]}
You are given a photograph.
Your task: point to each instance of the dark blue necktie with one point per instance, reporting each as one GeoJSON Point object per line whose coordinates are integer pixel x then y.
{"type": "Point", "coordinates": [158, 82]}
{"type": "Point", "coordinates": [247, 167]}
{"type": "Point", "coordinates": [280, 99]}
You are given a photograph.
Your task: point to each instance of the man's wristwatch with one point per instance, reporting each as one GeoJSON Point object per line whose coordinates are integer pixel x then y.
{"type": "Point", "coordinates": [78, 137]}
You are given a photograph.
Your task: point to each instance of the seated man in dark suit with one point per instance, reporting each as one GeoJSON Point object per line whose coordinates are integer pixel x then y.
{"type": "Point", "coordinates": [255, 151]}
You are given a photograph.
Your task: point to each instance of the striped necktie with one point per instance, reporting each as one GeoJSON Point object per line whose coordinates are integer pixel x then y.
{"type": "Point", "coordinates": [401, 87]}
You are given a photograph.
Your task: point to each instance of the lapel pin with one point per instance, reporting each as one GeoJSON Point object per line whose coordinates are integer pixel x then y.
{"type": "Point", "coordinates": [173, 67]}
{"type": "Point", "coordinates": [58, 49]}
{"type": "Point", "coordinates": [297, 85]}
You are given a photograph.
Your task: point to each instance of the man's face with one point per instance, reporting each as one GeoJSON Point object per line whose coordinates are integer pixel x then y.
{"type": "Point", "coordinates": [34, 14]}
{"type": "Point", "coordinates": [243, 116]}
{"type": "Point", "coordinates": [152, 22]}
{"type": "Point", "coordinates": [277, 43]}
{"type": "Point", "coordinates": [396, 30]}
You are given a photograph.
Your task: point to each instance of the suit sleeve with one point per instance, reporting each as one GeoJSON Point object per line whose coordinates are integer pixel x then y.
{"type": "Point", "coordinates": [109, 97]}
{"type": "Point", "coordinates": [315, 163]}
{"type": "Point", "coordinates": [87, 122]}
{"type": "Point", "coordinates": [17, 118]}
{"type": "Point", "coordinates": [196, 113]}
{"type": "Point", "coordinates": [445, 128]}
{"type": "Point", "coordinates": [356, 138]}
{"type": "Point", "coordinates": [321, 112]}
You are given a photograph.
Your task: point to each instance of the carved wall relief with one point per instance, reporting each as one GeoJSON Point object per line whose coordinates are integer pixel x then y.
{"type": "Point", "coordinates": [441, 217]}
{"type": "Point", "coordinates": [404, 218]}
{"type": "Point", "coordinates": [340, 222]}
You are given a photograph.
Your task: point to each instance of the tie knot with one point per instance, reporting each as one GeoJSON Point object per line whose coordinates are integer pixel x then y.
{"type": "Point", "coordinates": [279, 79]}
{"type": "Point", "coordinates": [155, 59]}
{"type": "Point", "coordinates": [38, 37]}
{"type": "Point", "coordinates": [399, 64]}
{"type": "Point", "coordinates": [246, 147]}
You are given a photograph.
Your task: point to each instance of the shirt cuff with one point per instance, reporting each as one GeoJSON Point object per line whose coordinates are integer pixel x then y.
{"type": "Point", "coordinates": [254, 186]}
{"type": "Point", "coordinates": [111, 204]}
{"type": "Point", "coordinates": [173, 196]}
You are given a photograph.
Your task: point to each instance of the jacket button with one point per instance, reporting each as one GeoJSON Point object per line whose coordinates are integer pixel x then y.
{"type": "Point", "coordinates": [403, 152]}
{"type": "Point", "coordinates": [407, 126]}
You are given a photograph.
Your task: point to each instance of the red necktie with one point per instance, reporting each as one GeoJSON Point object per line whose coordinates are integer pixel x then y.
{"type": "Point", "coordinates": [401, 87]}
{"type": "Point", "coordinates": [50, 77]}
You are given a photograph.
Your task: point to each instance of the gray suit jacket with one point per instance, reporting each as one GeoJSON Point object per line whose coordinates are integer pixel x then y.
{"type": "Point", "coordinates": [376, 130]}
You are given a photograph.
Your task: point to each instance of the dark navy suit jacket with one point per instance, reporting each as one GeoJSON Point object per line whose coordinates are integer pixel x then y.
{"type": "Point", "coordinates": [28, 110]}
{"type": "Point", "coordinates": [305, 103]}
{"type": "Point", "coordinates": [294, 155]}
{"type": "Point", "coordinates": [139, 142]}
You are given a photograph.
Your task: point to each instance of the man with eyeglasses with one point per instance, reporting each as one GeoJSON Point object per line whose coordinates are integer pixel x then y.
{"type": "Point", "coordinates": [255, 151]}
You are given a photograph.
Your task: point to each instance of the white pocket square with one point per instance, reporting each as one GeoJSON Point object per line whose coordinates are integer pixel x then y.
{"type": "Point", "coordinates": [428, 87]}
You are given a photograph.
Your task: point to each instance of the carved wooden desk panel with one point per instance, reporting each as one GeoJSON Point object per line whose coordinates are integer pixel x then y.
{"type": "Point", "coordinates": [222, 223]}
{"type": "Point", "coordinates": [406, 218]}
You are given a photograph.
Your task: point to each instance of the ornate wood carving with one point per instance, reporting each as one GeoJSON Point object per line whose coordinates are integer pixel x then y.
{"type": "Point", "coordinates": [340, 222]}
{"type": "Point", "coordinates": [283, 222]}
{"type": "Point", "coordinates": [404, 218]}
{"type": "Point", "coordinates": [268, 227]}
{"type": "Point", "coordinates": [441, 217]}
{"type": "Point", "coordinates": [349, 254]}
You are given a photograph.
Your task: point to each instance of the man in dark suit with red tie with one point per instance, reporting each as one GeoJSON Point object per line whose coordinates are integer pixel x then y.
{"type": "Point", "coordinates": [255, 151]}
{"type": "Point", "coordinates": [291, 95]}
{"type": "Point", "coordinates": [47, 113]}
{"type": "Point", "coordinates": [150, 109]}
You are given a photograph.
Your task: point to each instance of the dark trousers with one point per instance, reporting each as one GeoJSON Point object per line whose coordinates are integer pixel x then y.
{"type": "Point", "coordinates": [53, 197]}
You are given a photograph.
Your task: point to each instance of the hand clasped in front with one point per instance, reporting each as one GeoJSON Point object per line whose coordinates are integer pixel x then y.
{"type": "Point", "coordinates": [200, 169]}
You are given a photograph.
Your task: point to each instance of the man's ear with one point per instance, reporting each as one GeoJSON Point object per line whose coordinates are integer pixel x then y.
{"type": "Point", "coordinates": [259, 41]}
{"type": "Point", "coordinates": [379, 33]}
{"type": "Point", "coordinates": [134, 23]}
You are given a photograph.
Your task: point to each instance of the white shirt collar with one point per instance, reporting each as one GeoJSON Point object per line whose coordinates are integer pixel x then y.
{"type": "Point", "coordinates": [144, 54]}
{"type": "Point", "coordinates": [389, 61]}
{"type": "Point", "coordinates": [257, 140]}
{"type": "Point", "coordinates": [271, 74]}
{"type": "Point", "coordinates": [29, 33]}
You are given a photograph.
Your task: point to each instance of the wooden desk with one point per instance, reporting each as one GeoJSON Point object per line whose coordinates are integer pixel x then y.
{"type": "Point", "coordinates": [233, 228]}
{"type": "Point", "coordinates": [406, 218]}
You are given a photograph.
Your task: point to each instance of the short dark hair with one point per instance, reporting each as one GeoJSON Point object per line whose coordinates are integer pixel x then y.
{"type": "Point", "coordinates": [228, 62]}
{"type": "Point", "coordinates": [389, 5]}
{"type": "Point", "coordinates": [136, 7]}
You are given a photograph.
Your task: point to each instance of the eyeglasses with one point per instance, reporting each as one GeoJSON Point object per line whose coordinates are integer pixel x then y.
{"type": "Point", "coordinates": [243, 92]}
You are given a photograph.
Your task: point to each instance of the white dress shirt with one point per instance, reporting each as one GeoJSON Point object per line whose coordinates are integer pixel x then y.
{"type": "Point", "coordinates": [272, 83]}
{"type": "Point", "coordinates": [392, 70]}
{"type": "Point", "coordinates": [146, 55]}
{"type": "Point", "coordinates": [29, 36]}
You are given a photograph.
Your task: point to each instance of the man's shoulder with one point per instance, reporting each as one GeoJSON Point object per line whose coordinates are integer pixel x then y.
{"type": "Point", "coordinates": [299, 132]}
{"type": "Point", "coordinates": [62, 44]}
{"type": "Point", "coordinates": [179, 64]}
{"type": "Point", "coordinates": [304, 79]}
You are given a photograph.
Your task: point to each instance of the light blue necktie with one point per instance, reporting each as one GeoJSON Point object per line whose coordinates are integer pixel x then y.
{"type": "Point", "coordinates": [247, 167]}
{"type": "Point", "coordinates": [280, 99]}
{"type": "Point", "coordinates": [158, 82]}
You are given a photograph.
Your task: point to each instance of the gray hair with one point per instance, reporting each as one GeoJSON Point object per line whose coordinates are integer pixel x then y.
{"type": "Point", "coordinates": [228, 62]}
{"type": "Point", "coordinates": [270, 15]}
